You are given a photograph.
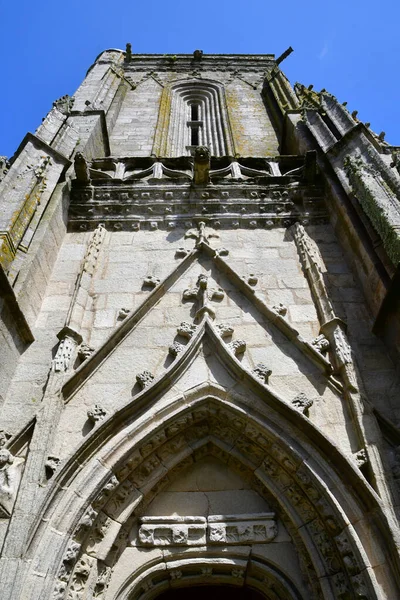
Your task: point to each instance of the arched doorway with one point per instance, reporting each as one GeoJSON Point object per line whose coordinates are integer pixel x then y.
{"type": "Point", "coordinates": [211, 592]}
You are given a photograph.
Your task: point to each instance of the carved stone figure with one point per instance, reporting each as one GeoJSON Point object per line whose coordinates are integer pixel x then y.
{"type": "Point", "coordinates": [201, 165]}
{"type": "Point", "coordinates": [85, 351]}
{"type": "Point", "coordinates": [321, 343]}
{"type": "Point", "coordinates": [4, 437]}
{"type": "Point", "coordinates": [51, 465]}
{"type": "Point", "coordinates": [81, 169]}
{"type": "Point", "coordinates": [10, 477]}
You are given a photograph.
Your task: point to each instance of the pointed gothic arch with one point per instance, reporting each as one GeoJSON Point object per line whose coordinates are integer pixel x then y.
{"type": "Point", "coordinates": [92, 502]}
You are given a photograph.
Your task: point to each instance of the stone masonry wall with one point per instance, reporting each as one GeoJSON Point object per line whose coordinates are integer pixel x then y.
{"type": "Point", "coordinates": [127, 259]}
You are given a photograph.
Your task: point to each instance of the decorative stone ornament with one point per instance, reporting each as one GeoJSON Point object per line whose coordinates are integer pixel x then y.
{"type": "Point", "coordinates": [85, 351]}
{"type": "Point", "coordinates": [151, 281]}
{"type": "Point", "coordinates": [321, 343]}
{"type": "Point", "coordinates": [96, 413]}
{"type": "Point", "coordinates": [237, 347]}
{"type": "Point", "coordinates": [187, 330]}
{"type": "Point", "coordinates": [123, 313]}
{"type": "Point", "coordinates": [301, 402]}
{"type": "Point", "coordinates": [176, 348]}
{"type": "Point", "coordinates": [262, 372]}
{"type": "Point", "coordinates": [203, 294]}
{"type": "Point", "coordinates": [280, 309]}
{"type": "Point", "coordinates": [51, 465]}
{"type": "Point", "coordinates": [225, 330]}
{"type": "Point", "coordinates": [144, 379]}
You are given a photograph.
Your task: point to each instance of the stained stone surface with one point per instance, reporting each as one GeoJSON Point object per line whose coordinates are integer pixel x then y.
{"type": "Point", "coordinates": [198, 379]}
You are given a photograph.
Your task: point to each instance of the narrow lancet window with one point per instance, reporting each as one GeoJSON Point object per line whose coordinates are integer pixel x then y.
{"type": "Point", "coordinates": [197, 117]}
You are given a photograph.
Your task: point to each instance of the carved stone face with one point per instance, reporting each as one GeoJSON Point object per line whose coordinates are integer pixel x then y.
{"type": "Point", "coordinates": [5, 457]}
{"type": "Point", "coordinates": [202, 281]}
{"type": "Point", "coordinates": [202, 154]}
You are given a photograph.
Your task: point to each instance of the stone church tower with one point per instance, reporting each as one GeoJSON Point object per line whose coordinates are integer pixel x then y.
{"type": "Point", "coordinates": [200, 332]}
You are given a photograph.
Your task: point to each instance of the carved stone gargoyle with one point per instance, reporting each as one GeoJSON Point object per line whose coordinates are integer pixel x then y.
{"type": "Point", "coordinates": [81, 169]}
{"type": "Point", "coordinates": [201, 165]}
{"type": "Point", "coordinates": [10, 477]}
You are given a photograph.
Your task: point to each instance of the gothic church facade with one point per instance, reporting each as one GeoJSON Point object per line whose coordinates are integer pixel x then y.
{"type": "Point", "coordinates": [199, 338]}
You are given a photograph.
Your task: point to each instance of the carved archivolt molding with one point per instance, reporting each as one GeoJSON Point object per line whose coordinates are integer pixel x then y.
{"type": "Point", "coordinates": [276, 467]}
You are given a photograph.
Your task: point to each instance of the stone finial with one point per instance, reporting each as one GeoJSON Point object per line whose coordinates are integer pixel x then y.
{"type": "Point", "coordinates": [151, 281]}
{"type": "Point", "coordinates": [225, 330]}
{"type": "Point", "coordinates": [262, 372]}
{"type": "Point", "coordinates": [201, 165]}
{"type": "Point", "coordinates": [198, 54]}
{"type": "Point", "coordinates": [186, 330]}
{"type": "Point", "coordinates": [280, 309]}
{"type": "Point", "coordinates": [321, 343]}
{"type": "Point", "coordinates": [301, 402]}
{"type": "Point", "coordinates": [176, 348]}
{"type": "Point", "coordinates": [96, 413]}
{"type": "Point", "coordinates": [237, 347]}
{"type": "Point", "coordinates": [144, 379]}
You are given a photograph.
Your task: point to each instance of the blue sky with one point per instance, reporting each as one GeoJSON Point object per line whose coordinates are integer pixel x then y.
{"type": "Point", "coordinates": [350, 48]}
